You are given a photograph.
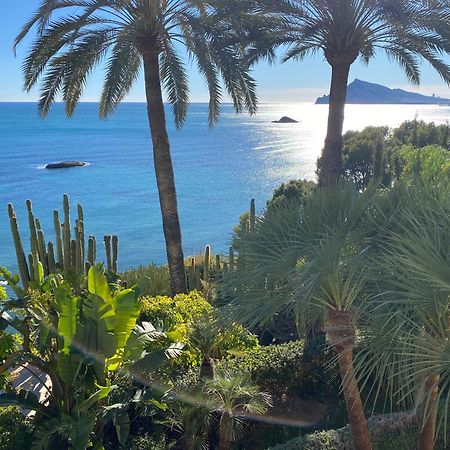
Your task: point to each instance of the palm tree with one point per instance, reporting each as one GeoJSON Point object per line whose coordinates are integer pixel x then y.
{"type": "Point", "coordinates": [76, 36]}
{"type": "Point", "coordinates": [408, 31]}
{"type": "Point", "coordinates": [234, 398]}
{"type": "Point", "coordinates": [307, 260]}
{"type": "Point", "coordinates": [408, 343]}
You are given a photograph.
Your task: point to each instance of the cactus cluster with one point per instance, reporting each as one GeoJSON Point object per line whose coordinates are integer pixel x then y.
{"type": "Point", "coordinates": [67, 254]}
{"type": "Point", "coordinates": [203, 270]}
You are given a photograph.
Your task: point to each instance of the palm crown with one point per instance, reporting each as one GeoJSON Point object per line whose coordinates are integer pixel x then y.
{"type": "Point", "coordinates": [347, 29]}
{"type": "Point", "coordinates": [76, 35]}
{"type": "Point", "coordinates": [408, 31]}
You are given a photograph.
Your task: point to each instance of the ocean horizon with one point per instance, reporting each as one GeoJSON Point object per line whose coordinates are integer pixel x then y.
{"type": "Point", "coordinates": [218, 171]}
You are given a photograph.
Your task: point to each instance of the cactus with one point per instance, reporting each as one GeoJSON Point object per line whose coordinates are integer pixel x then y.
{"type": "Point", "coordinates": [42, 251]}
{"type": "Point", "coordinates": [73, 252]}
{"type": "Point", "coordinates": [191, 274]}
{"type": "Point", "coordinates": [82, 239]}
{"type": "Point", "coordinates": [107, 240]}
{"type": "Point", "coordinates": [206, 264]}
{"type": "Point", "coordinates": [252, 219]}
{"type": "Point", "coordinates": [67, 263]}
{"type": "Point", "coordinates": [59, 246]}
{"type": "Point", "coordinates": [69, 252]}
{"type": "Point", "coordinates": [218, 263]}
{"type": "Point", "coordinates": [31, 267]}
{"type": "Point", "coordinates": [51, 258]}
{"type": "Point", "coordinates": [32, 225]}
{"type": "Point", "coordinates": [231, 259]}
{"type": "Point", "coordinates": [77, 257]}
{"type": "Point", "coordinates": [91, 250]}
{"type": "Point", "coordinates": [21, 260]}
{"type": "Point", "coordinates": [115, 251]}
{"type": "Point", "coordinates": [198, 278]}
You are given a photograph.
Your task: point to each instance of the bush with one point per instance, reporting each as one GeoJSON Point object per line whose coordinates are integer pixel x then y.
{"type": "Point", "coordinates": [294, 190]}
{"type": "Point", "coordinates": [177, 315]}
{"type": "Point", "coordinates": [396, 431]}
{"type": "Point", "coordinates": [14, 432]}
{"type": "Point", "coordinates": [147, 442]}
{"type": "Point", "coordinates": [182, 309]}
{"type": "Point", "coordinates": [159, 283]}
{"type": "Point", "coordinates": [280, 370]}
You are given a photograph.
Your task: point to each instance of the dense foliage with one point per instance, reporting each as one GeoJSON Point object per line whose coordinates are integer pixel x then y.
{"type": "Point", "coordinates": [377, 153]}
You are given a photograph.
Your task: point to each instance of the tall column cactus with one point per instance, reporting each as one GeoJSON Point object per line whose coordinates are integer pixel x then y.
{"type": "Point", "coordinates": [58, 239]}
{"type": "Point", "coordinates": [252, 219]}
{"type": "Point", "coordinates": [108, 250]}
{"type": "Point", "coordinates": [67, 257]}
{"type": "Point", "coordinates": [115, 252]}
{"type": "Point", "coordinates": [206, 262]}
{"type": "Point", "coordinates": [21, 259]}
{"type": "Point", "coordinates": [68, 254]}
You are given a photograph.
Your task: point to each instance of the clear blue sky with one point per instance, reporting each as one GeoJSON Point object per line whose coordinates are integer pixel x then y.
{"type": "Point", "coordinates": [285, 83]}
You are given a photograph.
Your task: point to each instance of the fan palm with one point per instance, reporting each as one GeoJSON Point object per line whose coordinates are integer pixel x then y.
{"type": "Point", "coordinates": [410, 324]}
{"type": "Point", "coordinates": [75, 36]}
{"type": "Point", "coordinates": [308, 260]}
{"type": "Point", "coordinates": [234, 398]}
{"type": "Point", "coordinates": [408, 31]}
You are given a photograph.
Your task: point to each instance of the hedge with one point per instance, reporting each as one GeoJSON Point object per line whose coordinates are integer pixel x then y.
{"type": "Point", "coordinates": [389, 432]}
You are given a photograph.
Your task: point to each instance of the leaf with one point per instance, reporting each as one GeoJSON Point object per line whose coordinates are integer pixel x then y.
{"type": "Point", "coordinates": [102, 393]}
{"type": "Point", "coordinates": [122, 424]}
{"type": "Point", "coordinates": [98, 284]}
{"type": "Point", "coordinates": [68, 315]}
{"type": "Point", "coordinates": [159, 405]}
{"type": "Point", "coordinates": [126, 309]}
{"type": "Point", "coordinates": [81, 432]}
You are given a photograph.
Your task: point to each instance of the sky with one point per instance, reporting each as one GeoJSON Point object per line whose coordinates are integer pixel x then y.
{"type": "Point", "coordinates": [289, 82]}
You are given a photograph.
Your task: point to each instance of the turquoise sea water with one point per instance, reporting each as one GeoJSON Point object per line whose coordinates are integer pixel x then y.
{"type": "Point", "coordinates": [217, 170]}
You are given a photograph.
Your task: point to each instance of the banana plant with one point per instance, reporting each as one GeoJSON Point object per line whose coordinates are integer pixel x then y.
{"type": "Point", "coordinates": [82, 345]}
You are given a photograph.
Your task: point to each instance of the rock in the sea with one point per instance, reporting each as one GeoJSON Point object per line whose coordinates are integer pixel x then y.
{"type": "Point", "coordinates": [285, 119]}
{"type": "Point", "coordinates": [65, 165]}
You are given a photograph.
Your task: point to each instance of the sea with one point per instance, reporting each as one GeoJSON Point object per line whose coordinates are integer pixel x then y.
{"type": "Point", "coordinates": [218, 170]}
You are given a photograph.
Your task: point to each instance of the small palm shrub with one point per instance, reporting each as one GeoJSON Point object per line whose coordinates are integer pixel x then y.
{"type": "Point", "coordinates": [282, 371]}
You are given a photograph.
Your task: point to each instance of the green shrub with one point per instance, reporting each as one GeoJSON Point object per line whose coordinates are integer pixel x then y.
{"type": "Point", "coordinates": [176, 315]}
{"type": "Point", "coordinates": [182, 309]}
{"type": "Point", "coordinates": [294, 190]}
{"type": "Point", "coordinates": [281, 369]}
{"type": "Point", "coordinates": [396, 431]}
{"type": "Point", "coordinates": [147, 442]}
{"type": "Point", "coordinates": [159, 282]}
{"type": "Point", "coordinates": [14, 433]}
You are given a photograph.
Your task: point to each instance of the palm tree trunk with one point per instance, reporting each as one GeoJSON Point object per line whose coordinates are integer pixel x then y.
{"type": "Point", "coordinates": [331, 161]}
{"type": "Point", "coordinates": [207, 369]}
{"type": "Point", "coordinates": [428, 431]}
{"type": "Point", "coordinates": [224, 432]}
{"type": "Point", "coordinates": [164, 172]}
{"type": "Point", "coordinates": [341, 331]}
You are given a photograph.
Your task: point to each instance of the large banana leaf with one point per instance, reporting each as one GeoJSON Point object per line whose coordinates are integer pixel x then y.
{"type": "Point", "coordinates": [98, 284]}
{"type": "Point", "coordinates": [81, 431]}
{"type": "Point", "coordinates": [126, 312]}
{"type": "Point", "coordinates": [68, 315]}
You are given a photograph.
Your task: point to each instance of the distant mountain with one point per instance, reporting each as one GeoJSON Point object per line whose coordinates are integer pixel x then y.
{"type": "Point", "coordinates": [362, 92]}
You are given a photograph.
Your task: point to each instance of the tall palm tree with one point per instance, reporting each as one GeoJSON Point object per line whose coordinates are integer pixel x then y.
{"type": "Point", "coordinates": [408, 31]}
{"type": "Point", "coordinates": [307, 260]}
{"type": "Point", "coordinates": [76, 36]}
{"type": "Point", "coordinates": [409, 337]}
